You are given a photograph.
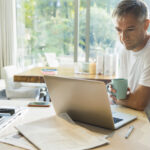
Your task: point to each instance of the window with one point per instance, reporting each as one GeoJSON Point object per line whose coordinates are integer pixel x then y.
{"type": "Point", "coordinates": [102, 33]}
{"type": "Point", "coordinates": [75, 30]}
{"type": "Point", "coordinates": [44, 26]}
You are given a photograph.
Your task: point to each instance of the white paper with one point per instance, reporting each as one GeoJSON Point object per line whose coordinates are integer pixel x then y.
{"type": "Point", "coordinates": [56, 133]}
{"type": "Point", "coordinates": [17, 140]}
{"type": "Point", "coordinates": [5, 121]}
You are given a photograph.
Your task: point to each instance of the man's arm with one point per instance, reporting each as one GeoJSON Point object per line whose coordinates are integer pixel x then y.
{"type": "Point", "coordinates": [136, 100]}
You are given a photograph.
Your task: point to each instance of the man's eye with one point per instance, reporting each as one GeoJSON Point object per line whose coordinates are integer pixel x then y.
{"type": "Point", "coordinates": [132, 29]}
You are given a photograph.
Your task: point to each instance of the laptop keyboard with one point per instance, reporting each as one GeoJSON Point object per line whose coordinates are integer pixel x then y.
{"type": "Point", "coordinates": [116, 120]}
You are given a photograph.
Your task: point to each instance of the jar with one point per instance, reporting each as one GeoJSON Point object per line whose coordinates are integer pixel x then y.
{"type": "Point", "coordinates": [92, 68]}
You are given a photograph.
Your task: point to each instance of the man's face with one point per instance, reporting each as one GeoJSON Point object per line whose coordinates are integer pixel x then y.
{"type": "Point", "coordinates": [131, 32]}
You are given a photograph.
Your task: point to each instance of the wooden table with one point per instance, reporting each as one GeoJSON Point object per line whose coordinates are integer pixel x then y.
{"type": "Point", "coordinates": [138, 140]}
{"type": "Point", "coordinates": [35, 75]}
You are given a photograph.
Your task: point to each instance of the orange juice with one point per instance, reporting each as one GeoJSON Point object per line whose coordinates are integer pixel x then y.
{"type": "Point", "coordinates": [92, 68]}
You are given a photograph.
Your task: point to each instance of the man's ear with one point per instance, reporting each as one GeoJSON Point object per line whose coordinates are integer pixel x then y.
{"type": "Point", "coordinates": [146, 25]}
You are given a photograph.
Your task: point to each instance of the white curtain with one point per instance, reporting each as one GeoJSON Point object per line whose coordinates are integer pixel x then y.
{"type": "Point", "coordinates": [7, 33]}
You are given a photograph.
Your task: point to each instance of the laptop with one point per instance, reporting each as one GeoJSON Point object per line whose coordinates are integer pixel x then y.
{"type": "Point", "coordinates": [85, 101]}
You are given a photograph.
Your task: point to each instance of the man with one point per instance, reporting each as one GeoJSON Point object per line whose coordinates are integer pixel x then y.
{"type": "Point", "coordinates": [131, 23]}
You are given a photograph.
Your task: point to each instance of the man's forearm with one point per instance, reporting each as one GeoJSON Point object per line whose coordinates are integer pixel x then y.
{"type": "Point", "coordinates": [137, 100]}
{"type": "Point", "coordinates": [132, 101]}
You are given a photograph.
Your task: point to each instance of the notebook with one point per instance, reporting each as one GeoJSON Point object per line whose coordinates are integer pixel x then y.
{"type": "Point", "coordinates": [85, 101]}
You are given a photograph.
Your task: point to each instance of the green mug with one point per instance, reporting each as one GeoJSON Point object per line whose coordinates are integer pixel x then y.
{"type": "Point", "coordinates": [121, 87]}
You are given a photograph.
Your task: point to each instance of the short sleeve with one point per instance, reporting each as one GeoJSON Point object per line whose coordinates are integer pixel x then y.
{"type": "Point", "coordinates": [145, 76]}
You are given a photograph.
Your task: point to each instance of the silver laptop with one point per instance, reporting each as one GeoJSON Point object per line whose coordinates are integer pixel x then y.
{"type": "Point", "coordinates": [85, 101]}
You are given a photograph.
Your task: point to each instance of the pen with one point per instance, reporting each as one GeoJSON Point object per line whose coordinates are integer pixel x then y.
{"type": "Point", "coordinates": [129, 131]}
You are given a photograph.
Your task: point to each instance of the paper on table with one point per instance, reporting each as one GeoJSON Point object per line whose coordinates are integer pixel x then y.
{"type": "Point", "coordinates": [66, 117]}
{"type": "Point", "coordinates": [57, 133]}
{"type": "Point", "coordinates": [97, 131]}
{"type": "Point", "coordinates": [17, 140]}
{"type": "Point", "coordinates": [5, 121]}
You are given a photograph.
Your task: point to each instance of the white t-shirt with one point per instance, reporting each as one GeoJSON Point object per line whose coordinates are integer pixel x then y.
{"type": "Point", "coordinates": [134, 66]}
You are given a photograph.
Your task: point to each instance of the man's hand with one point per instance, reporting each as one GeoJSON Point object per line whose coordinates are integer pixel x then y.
{"type": "Point", "coordinates": [137, 100]}
{"type": "Point", "coordinates": [113, 97]}
{"type": "Point", "coordinates": [111, 92]}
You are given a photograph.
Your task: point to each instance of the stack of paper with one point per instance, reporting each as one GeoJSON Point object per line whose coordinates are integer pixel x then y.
{"type": "Point", "coordinates": [5, 121]}
{"type": "Point", "coordinates": [17, 140]}
{"type": "Point", "coordinates": [58, 133]}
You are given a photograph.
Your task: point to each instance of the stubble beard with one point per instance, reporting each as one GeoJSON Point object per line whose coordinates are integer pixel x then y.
{"type": "Point", "coordinates": [134, 47]}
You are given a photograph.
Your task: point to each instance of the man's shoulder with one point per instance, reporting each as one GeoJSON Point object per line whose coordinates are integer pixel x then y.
{"type": "Point", "coordinates": [147, 47]}
{"type": "Point", "coordinates": [146, 50]}
{"type": "Point", "coordinates": [146, 56]}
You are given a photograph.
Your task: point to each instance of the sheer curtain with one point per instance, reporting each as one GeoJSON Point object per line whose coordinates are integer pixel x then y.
{"type": "Point", "coordinates": [7, 33]}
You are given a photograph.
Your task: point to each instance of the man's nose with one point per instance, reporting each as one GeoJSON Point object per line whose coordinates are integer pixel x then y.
{"type": "Point", "coordinates": [124, 35]}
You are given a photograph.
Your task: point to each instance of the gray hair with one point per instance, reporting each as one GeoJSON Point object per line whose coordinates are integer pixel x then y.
{"type": "Point", "coordinates": [135, 7]}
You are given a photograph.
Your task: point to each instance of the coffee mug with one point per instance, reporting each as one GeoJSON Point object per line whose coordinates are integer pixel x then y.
{"type": "Point", "coordinates": [121, 87]}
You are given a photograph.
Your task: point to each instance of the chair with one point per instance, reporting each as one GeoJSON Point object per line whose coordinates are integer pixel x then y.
{"type": "Point", "coordinates": [17, 90]}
